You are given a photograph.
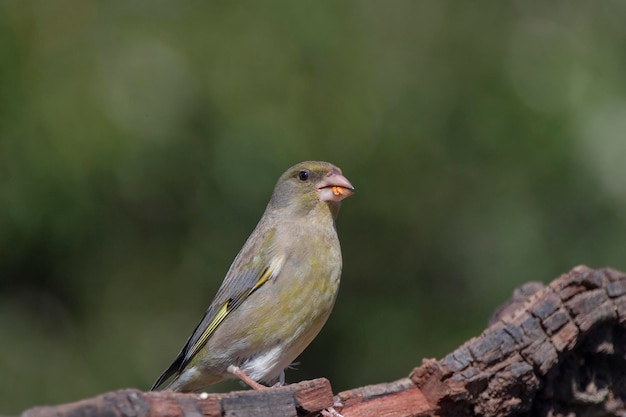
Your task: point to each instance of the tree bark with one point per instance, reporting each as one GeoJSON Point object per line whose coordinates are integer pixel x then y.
{"type": "Point", "coordinates": [559, 353]}
{"type": "Point", "coordinates": [556, 350]}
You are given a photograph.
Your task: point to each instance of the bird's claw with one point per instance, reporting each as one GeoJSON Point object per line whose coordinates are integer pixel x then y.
{"type": "Point", "coordinates": [330, 412]}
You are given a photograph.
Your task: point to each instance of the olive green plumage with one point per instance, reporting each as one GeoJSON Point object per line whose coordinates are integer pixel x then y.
{"type": "Point", "coordinates": [279, 290]}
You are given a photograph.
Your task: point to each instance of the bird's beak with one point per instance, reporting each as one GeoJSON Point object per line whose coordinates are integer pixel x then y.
{"type": "Point", "coordinates": [335, 187]}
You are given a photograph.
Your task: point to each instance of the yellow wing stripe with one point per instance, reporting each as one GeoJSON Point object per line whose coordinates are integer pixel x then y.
{"type": "Point", "coordinates": [232, 304]}
{"type": "Point", "coordinates": [219, 316]}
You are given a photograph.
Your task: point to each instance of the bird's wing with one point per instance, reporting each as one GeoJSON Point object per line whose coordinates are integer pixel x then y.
{"type": "Point", "coordinates": [254, 266]}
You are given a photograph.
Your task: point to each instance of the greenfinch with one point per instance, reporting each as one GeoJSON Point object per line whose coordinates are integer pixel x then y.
{"type": "Point", "coordinates": [279, 290]}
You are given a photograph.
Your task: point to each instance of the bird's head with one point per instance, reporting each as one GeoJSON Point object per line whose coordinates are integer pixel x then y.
{"type": "Point", "coordinates": [306, 185]}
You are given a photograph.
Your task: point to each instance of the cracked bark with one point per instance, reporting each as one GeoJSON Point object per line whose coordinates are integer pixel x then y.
{"type": "Point", "coordinates": [556, 350]}
{"type": "Point", "coordinates": [560, 352]}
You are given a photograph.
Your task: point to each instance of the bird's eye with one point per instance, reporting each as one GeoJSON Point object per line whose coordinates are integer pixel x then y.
{"type": "Point", "coordinates": [303, 175]}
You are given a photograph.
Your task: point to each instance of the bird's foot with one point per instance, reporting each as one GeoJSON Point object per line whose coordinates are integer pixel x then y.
{"type": "Point", "coordinates": [281, 380]}
{"type": "Point", "coordinates": [330, 412]}
{"type": "Point", "coordinates": [245, 378]}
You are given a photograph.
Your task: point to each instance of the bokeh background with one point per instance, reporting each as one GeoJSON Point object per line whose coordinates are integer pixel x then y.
{"type": "Point", "coordinates": [140, 141]}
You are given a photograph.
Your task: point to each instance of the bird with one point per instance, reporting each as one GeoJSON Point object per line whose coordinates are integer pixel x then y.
{"type": "Point", "coordinates": [278, 292]}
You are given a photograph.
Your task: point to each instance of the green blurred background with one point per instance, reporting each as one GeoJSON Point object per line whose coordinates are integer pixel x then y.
{"type": "Point", "coordinates": [140, 141]}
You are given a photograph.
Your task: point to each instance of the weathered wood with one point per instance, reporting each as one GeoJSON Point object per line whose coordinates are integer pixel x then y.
{"type": "Point", "coordinates": [561, 352]}
{"type": "Point", "coordinates": [395, 399]}
{"type": "Point", "coordinates": [555, 350]}
{"type": "Point", "coordinates": [304, 398]}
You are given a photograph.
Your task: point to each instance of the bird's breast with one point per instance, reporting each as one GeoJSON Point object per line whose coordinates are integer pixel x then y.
{"type": "Point", "coordinates": [279, 319]}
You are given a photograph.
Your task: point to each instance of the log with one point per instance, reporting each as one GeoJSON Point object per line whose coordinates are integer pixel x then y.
{"type": "Point", "coordinates": [559, 353]}
{"type": "Point", "coordinates": [304, 398]}
{"type": "Point", "coordinates": [556, 350]}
